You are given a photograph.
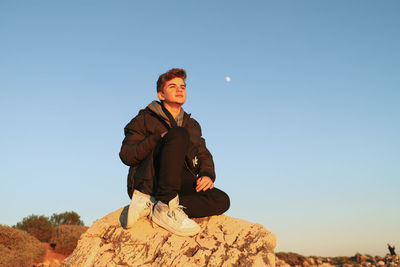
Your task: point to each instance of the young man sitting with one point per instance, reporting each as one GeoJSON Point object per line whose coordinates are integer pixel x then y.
{"type": "Point", "coordinates": [169, 163]}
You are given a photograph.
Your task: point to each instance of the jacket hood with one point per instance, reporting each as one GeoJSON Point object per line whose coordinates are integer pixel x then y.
{"type": "Point", "coordinates": [156, 107]}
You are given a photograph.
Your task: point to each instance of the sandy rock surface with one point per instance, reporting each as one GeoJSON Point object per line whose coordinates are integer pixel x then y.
{"type": "Point", "coordinates": [356, 261]}
{"type": "Point", "coordinates": [222, 241]}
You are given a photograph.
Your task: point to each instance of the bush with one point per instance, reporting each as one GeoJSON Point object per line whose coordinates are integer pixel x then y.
{"type": "Point", "coordinates": [18, 248]}
{"type": "Point", "coordinates": [38, 226]}
{"type": "Point", "coordinates": [291, 258]}
{"type": "Point", "coordinates": [66, 237]}
{"type": "Point", "coordinates": [69, 217]}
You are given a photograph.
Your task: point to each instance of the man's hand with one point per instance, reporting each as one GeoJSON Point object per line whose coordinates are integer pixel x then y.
{"type": "Point", "coordinates": [204, 183]}
{"type": "Point", "coordinates": [164, 133]}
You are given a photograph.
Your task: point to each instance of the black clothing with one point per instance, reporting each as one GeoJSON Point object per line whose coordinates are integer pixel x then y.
{"type": "Point", "coordinates": [143, 134]}
{"type": "Point", "coordinates": [175, 178]}
{"type": "Point", "coordinates": [170, 166]}
{"type": "Point", "coordinates": [170, 162]}
{"type": "Point", "coordinates": [391, 250]}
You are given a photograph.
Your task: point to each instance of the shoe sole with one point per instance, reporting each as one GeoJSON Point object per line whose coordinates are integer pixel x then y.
{"type": "Point", "coordinates": [167, 227]}
{"type": "Point", "coordinates": [129, 224]}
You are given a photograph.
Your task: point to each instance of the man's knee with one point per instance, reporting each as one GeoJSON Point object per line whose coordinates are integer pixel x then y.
{"type": "Point", "coordinates": [223, 201]}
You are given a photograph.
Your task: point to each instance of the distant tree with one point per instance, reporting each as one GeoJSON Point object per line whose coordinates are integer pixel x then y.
{"type": "Point", "coordinates": [66, 218]}
{"type": "Point", "coordinates": [38, 226]}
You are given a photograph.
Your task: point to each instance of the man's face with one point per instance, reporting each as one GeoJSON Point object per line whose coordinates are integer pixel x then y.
{"type": "Point", "coordinates": [174, 92]}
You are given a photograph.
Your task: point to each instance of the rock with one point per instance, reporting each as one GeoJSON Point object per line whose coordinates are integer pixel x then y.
{"type": "Point", "coordinates": [364, 258]}
{"type": "Point", "coordinates": [311, 261]}
{"type": "Point", "coordinates": [222, 241]}
{"type": "Point", "coordinates": [280, 263]}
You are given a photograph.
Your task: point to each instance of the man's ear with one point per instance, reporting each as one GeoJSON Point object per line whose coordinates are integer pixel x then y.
{"type": "Point", "coordinates": [161, 95]}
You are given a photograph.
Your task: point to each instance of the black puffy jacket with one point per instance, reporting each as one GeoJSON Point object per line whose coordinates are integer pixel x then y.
{"type": "Point", "coordinates": [143, 133]}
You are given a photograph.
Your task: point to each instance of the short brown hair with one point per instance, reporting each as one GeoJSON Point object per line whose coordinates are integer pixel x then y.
{"type": "Point", "coordinates": [169, 75]}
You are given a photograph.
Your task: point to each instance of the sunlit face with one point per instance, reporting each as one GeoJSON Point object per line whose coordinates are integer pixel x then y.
{"type": "Point", "coordinates": [173, 92]}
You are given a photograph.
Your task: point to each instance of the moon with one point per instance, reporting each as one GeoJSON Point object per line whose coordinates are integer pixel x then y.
{"type": "Point", "coordinates": [228, 79]}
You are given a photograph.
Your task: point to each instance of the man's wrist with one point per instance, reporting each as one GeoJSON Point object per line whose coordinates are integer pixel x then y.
{"type": "Point", "coordinates": [201, 174]}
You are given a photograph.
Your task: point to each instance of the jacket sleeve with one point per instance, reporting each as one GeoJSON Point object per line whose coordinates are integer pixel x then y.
{"type": "Point", "coordinates": [137, 144]}
{"type": "Point", "coordinates": [206, 162]}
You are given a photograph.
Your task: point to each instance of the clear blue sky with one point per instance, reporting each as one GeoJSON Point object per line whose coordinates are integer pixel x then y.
{"type": "Point", "coordinates": [305, 137]}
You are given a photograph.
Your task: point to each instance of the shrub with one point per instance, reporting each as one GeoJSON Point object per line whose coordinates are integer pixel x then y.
{"type": "Point", "coordinates": [341, 260]}
{"type": "Point", "coordinates": [291, 258]}
{"type": "Point", "coordinates": [66, 237]}
{"type": "Point", "coordinates": [18, 248]}
{"type": "Point", "coordinates": [69, 217]}
{"type": "Point", "coordinates": [38, 226]}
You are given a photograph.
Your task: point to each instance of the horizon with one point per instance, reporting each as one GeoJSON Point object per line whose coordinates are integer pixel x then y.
{"type": "Point", "coordinates": [298, 103]}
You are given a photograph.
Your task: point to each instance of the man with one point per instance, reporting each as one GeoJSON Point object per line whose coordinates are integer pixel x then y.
{"type": "Point", "coordinates": [169, 163]}
{"type": "Point", "coordinates": [391, 249]}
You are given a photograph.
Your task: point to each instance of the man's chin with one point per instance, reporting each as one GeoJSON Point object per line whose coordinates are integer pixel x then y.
{"type": "Point", "coordinates": [179, 102]}
{"type": "Point", "coordinates": [176, 103]}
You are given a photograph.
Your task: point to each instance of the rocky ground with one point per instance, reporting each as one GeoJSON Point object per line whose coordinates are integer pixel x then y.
{"type": "Point", "coordinates": [283, 260]}
{"type": "Point", "coordinates": [222, 241]}
{"type": "Point", "coordinates": [358, 260]}
{"type": "Point", "coordinates": [53, 259]}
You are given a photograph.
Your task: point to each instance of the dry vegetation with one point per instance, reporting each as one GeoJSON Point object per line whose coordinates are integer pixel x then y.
{"type": "Point", "coordinates": [21, 244]}
{"type": "Point", "coordinates": [66, 237]}
{"type": "Point", "coordinates": [18, 248]}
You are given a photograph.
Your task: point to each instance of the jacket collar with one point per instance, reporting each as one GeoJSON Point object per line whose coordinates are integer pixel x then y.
{"type": "Point", "coordinates": [156, 108]}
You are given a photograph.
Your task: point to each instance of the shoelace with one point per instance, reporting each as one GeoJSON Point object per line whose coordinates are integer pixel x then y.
{"type": "Point", "coordinates": [150, 206]}
{"type": "Point", "coordinates": [178, 213]}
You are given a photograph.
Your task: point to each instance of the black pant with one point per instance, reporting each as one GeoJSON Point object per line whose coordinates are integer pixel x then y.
{"type": "Point", "coordinates": [175, 178]}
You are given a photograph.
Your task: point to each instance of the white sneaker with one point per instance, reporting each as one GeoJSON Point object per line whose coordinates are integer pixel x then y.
{"type": "Point", "coordinates": [141, 206]}
{"type": "Point", "coordinates": [174, 219]}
